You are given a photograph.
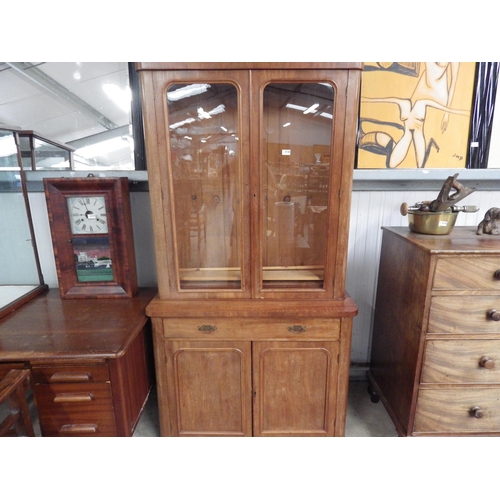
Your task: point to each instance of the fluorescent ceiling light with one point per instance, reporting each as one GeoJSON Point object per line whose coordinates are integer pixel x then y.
{"type": "Point", "coordinates": [187, 91]}
{"type": "Point", "coordinates": [311, 109]}
{"type": "Point", "coordinates": [180, 124]}
{"type": "Point", "coordinates": [8, 147]}
{"type": "Point", "coordinates": [217, 110]}
{"type": "Point", "coordinates": [294, 106]}
{"type": "Point", "coordinates": [287, 124]}
{"type": "Point", "coordinates": [103, 148]}
{"type": "Point", "coordinates": [121, 97]}
{"type": "Point", "coordinates": [203, 114]}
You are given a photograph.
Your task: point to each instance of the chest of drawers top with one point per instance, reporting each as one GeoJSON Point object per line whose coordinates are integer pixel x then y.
{"type": "Point", "coordinates": [461, 240]}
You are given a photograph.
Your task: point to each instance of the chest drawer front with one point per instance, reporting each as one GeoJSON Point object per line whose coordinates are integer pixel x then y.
{"type": "Point", "coordinates": [467, 273]}
{"type": "Point", "coordinates": [83, 409]}
{"type": "Point", "coordinates": [70, 374]}
{"type": "Point", "coordinates": [451, 411]}
{"type": "Point", "coordinates": [464, 314]}
{"type": "Point", "coordinates": [461, 362]}
{"type": "Point", "coordinates": [213, 328]}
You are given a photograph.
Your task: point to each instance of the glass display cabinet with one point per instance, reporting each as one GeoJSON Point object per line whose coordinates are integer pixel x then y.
{"type": "Point", "coordinates": [40, 153]}
{"type": "Point", "coordinates": [250, 173]}
{"type": "Point", "coordinates": [20, 273]}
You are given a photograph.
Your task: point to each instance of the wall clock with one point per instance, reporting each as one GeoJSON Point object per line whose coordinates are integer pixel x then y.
{"type": "Point", "coordinates": [91, 227]}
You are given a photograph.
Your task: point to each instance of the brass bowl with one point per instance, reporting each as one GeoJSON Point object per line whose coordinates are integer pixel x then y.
{"type": "Point", "coordinates": [432, 222]}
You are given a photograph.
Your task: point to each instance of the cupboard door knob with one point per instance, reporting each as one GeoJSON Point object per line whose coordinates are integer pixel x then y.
{"type": "Point", "coordinates": [486, 362]}
{"type": "Point", "coordinates": [494, 315]}
{"type": "Point", "coordinates": [476, 412]}
{"type": "Point", "coordinates": [496, 275]}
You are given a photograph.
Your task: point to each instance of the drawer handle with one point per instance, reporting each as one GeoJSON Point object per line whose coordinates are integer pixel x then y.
{"type": "Point", "coordinates": [494, 315]}
{"type": "Point", "coordinates": [486, 362]}
{"type": "Point", "coordinates": [476, 412]}
{"type": "Point", "coordinates": [297, 328]}
{"type": "Point", "coordinates": [497, 274]}
{"type": "Point", "coordinates": [70, 377]}
{"type": "Point", "coordinates": [78, 429]}
{"type": "Point", "coordinates": [73, 397]}
{"type": "Point", "coordinates": [207, 328]}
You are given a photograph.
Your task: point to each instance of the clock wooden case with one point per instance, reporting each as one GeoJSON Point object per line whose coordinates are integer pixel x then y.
{"type": "Point", "coordinates": [91, 226]}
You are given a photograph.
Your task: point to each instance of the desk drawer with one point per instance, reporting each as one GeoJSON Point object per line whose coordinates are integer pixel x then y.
{"type": "Point", "coordinates": [461, 362]}
{"type": "Point", "coordinates": [254, 329]}
{"type": "Point", "coordinates": [464, 314]}
{"type": "Point", "coordinates": [452, 411]}
{"type": "Point", "coordinates": [82, 409]}
{"type": "Point", "coordinates": [70, 374]}
{"type": "Point", "coordinates": [467, 273]}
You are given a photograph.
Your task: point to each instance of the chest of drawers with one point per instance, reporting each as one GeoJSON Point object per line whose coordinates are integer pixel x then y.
{"type": "Point", "coordinates": [435, 360]}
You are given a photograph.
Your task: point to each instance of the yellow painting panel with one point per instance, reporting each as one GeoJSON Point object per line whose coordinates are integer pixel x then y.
{"type": "Point", "coordinates": [415, 114]}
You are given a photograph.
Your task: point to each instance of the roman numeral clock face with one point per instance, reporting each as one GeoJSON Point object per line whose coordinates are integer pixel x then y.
{"type": "Point", "coordinates": [87, 214]}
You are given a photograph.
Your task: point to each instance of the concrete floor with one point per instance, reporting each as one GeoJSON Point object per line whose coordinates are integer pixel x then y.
{"type": "Point", "coordinates": [364, 418]}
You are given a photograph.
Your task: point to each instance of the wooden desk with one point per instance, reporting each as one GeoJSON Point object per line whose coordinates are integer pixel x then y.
{"type": "Point", "coordinates": [89, 359]}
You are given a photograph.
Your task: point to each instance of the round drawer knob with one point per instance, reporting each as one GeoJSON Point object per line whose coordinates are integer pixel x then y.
{"type": "Point", "coordinates": [497, 274]}
{"type": "Point", "coordinates": [494, 315]}
{"type": "Point", "coordinates": [486, 362]}
{"type": "Point", "coordinates": [476, 412]}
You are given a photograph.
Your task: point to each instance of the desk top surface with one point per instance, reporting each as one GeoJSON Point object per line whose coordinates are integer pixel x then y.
{"type": "Point", "coordinates": [49, 327]}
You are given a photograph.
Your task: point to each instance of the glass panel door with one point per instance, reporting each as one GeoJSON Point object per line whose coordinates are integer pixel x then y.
{"type": "Point", "coordinates": [20, 272]}
{"type": "Point", "coordinates": [203, 121]}
{"type": "Point", "coordinates": [297, 136]}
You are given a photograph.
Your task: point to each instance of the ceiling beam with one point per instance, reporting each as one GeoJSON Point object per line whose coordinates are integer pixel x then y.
{"type": "Point", "coordinates": [57, 90]}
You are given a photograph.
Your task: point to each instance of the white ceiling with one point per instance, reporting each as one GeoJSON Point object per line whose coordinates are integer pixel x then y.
{"type": "Point", "coordinates": [65, 102]}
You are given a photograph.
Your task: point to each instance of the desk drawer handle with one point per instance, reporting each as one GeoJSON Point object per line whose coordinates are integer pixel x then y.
{"type": "Point", "coordinates": [70, 377]}
{"type": "Point", "coordinates": [497, 274]}
{"type": "Point", "coordinates": [476, 412]}
{"type": "Point", "coordinates": [207, 328]}
{"type": "Point", "coordinates": [297, 328]}
{"type": "Point", "coordinates": [78, 429]}
{"type": "Point", "coordinates": [73, 397]}
{"type": "Point", "coordinates": [494, 315]}
{"type": "Point", "coordinates": [486, 362]}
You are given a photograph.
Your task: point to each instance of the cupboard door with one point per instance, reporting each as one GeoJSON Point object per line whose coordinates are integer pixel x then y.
{"type": "Point", "coordinates": [209, 388]}
{"type": "Point", "coordinates": [295, 388]}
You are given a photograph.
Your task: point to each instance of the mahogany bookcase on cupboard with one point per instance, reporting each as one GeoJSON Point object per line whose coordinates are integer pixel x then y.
{"type": "Point", "coordinates": [250, 175]}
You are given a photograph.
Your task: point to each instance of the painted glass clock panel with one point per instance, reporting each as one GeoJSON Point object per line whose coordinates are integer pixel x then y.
{"type": "Point", "coordinates": [93, 260]}
{"type": "Point", "coordinates": [87, 214]}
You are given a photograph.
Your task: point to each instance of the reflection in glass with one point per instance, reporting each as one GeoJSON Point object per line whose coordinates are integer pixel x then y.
{"type": "Point", "coordinates": [203, 132]}
{"type": "Point", "coordinates": [19, 269]}
{"type": "Point", "coordinates": [297, 133]}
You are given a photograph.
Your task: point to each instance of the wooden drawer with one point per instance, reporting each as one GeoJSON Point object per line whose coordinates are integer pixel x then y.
{"type": "Point", "coordinates": [449, 411]}
{"type": "Point", "coordinates": [461, 362]}
{"type": "Point", "coordinates": [467, 273]}
{"type": "Point", "coordinates": [463, 314]}
{"type": "Point", "coordinates": [253, 329]}
{"type": "Point", "coordinates": [82, 409]}
{"type": "Point", "coordinates": [70, 374]}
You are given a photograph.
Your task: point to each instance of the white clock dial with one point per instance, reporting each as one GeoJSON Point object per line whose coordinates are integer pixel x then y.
{"type": "Point", "coordinates": [88, 214]}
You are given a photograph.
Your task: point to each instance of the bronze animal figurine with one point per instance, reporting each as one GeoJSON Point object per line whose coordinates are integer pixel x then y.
{"type": "Point", "coordinates": [491, 222]}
